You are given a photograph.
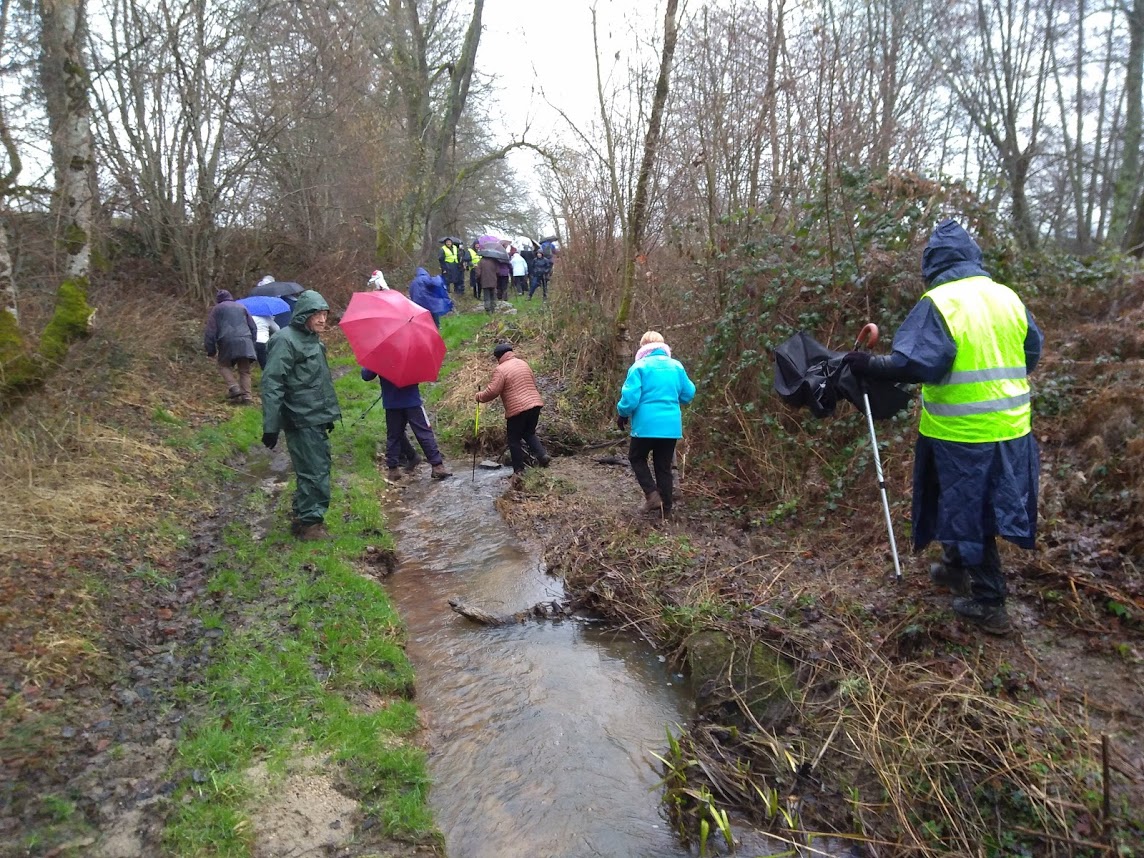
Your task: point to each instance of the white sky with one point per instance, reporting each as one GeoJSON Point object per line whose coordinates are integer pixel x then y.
{"type": "Point", "coordinates": [554, 61]}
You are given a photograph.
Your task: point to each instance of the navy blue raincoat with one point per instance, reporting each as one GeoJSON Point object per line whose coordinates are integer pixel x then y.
{"type": "Point", "coordinates": [963, 493]}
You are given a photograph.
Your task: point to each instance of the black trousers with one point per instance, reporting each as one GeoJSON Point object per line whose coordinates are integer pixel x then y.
{"type": "Point", "coordinates": [662, 451]}
{"type": "Point", "coordinates": [522, 427]}
{"type": "Point", "coordinates": [988, 579]}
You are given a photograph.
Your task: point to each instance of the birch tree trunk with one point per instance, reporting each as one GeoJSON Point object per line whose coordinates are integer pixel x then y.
{"type": "Point", "coordinates": [63, 72]}
{"type": "Point", "coordinates": [1128, 180]}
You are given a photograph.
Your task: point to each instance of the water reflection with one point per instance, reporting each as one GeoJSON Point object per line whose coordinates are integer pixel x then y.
{"type": "Point", "coordinates": [541, 732]}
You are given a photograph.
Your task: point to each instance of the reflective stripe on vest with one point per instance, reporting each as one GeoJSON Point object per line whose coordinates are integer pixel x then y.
{"type": "Point", "coordinates": [985, 396]}
{"type": "Point", "coordinates": [450, 254]}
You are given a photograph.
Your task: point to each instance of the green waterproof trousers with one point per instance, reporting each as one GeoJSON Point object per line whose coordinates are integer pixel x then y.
{"type": "Point", "coordinates": [310, 454]}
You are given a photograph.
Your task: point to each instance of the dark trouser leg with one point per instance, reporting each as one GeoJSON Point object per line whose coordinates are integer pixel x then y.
{"type": "Point", "coordinates": [474, 283]}
{"type": "Point", "coordinates": [394, 436]}
{"type": "Point", "coordinates": [532, 284]}
{"type": "Point", "coordinates": [514, 429]}
{"type": "Point", "coordinates": [407, 456]}
{"type": "Point", "coordinates": [528, 431]}
{"type": "Point", "coordinates": [260, 353]}
{"type": "Point", "coordinates": [988, 579]}
{"type": "Point", "coordinates": [544, 286]}
{"type": "Point", "coordinates": [662, 451]}
{"type": "Point", "coordinates": [638, 449]}
{"type": "Point", "coordinates": [502, 287]}
{"type": "Point", "coordinates": [310, 454]}
{"type": "Point", "coordinates": [490, 302]}
{"type": "Point", "coordinates": [425, 437]}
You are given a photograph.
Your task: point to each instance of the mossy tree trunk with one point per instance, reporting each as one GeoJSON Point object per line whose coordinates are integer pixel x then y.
{"type": "Point", "coordinates": [63, 72]}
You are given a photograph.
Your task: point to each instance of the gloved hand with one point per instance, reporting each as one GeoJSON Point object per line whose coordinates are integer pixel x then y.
{"type": "Point", "coordinates": [622, 423]}
{"type": "Point", "coordinates": [329, 428]}
{"type": "Point", "coordinates": [859, 362]}
{"type": "Point", "coordinates": [269, 440]}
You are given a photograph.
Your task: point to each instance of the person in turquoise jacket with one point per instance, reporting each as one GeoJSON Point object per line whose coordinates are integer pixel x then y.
{"type": "Point", "coordinates": [655, 388]}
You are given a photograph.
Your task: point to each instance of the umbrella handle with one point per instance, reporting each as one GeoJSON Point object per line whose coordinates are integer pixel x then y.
{"type": "Point", "coordinates": [867, 337]}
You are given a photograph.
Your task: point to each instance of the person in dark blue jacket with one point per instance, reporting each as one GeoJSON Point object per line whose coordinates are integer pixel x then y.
{"type": "Point", "coordinates": [430, 292]}
{"type": "Point", "coordinates": [655, 387]}
{"type": "Point", "coordinates": [971, 343]}
{"type": "Point", "coordinates": [403, 408]}
{"type": "Point", "coordinates": [541, 271]}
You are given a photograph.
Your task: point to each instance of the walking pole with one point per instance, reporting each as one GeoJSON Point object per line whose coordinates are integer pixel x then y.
{"type": "Point", "coordinates": [364, 413]}
{"type": "Point", "coordinates": [870, 334]}
{"type": "Point", "coordinates": [476, 439]}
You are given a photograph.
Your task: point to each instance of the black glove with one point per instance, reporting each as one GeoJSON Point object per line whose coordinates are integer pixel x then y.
{"type": "Point", "coordinates": [622, 423]}
{"type": "Point", "coordinates": [269, 440]}
{"type": "Point", "coordinates": [329, 428]}
{"type": "Point", "coordinates": [859, 362]}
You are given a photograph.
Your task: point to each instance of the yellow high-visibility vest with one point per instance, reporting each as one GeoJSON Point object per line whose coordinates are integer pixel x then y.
{"type": "Point", "coordinates": [450, 253]}
{"type": "Point", "coordinates": [985, 396]}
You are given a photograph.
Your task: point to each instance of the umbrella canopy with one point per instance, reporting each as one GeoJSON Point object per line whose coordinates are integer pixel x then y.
{"type": "Point", "coordinates": [550, 238]}
{"type": "Point", "coordinates": [524, 242]}
{"type": "Point", "coordinates": [278, 288]}
{"type": "Point", "coordinates": [264, 305]}
{"type": "Point", "coordinates": [489, 239]}
{"type": "Point", "coordinates": [809, 374]}
{"type": "Point", "coordinates": [394, 337]}
{"type": "Point", "coordinates": [493, 251]}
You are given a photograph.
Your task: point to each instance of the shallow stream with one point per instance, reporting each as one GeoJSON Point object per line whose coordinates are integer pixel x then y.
{"type": "Point", "coordinates": [541, 732]}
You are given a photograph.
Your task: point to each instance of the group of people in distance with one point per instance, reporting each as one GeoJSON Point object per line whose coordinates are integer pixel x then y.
{"type": "Point", "coordinates": [526, 269]}
{"type": "Point", "coordinates": [970, 342]}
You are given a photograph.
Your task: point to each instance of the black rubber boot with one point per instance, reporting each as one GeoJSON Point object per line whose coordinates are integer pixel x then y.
{"type": "Point", "coordinates": [953, 578]}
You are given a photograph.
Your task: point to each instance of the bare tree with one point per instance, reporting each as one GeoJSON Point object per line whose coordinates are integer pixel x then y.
{"type": "Point", "coordinates": [996, 63]}
{"type": "Point", "coordinates": [637, 213]}
{"type": "Point", "coordinates": [1128, 185]}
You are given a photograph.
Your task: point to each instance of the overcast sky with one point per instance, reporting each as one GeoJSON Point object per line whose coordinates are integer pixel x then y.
{"type": "Point", "coordinates": [542, 52]}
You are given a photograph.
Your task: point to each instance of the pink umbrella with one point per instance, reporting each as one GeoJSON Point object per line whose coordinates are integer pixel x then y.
{"type": "Point", "coordinates": [394, 337]}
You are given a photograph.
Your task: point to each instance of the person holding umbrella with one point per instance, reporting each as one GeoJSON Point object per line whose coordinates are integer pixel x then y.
{"type": "Point", "coordinates": [264, 309]}
{"type": "Point", "coordinates": [515, 384]}
{"type": "Point", "coordinates": [298, 398]}
{"type": "Point", "coordinates": [971, 343]}
{"type": "Point", "coordinates": [230, 335]}
{"type": "Point", "coordinates": [654, 389]}
{"type": "Point", "coordinates": [403, 407]}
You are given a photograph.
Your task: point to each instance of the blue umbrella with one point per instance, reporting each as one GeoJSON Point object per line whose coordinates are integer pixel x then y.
{"type": "Point", "coordinates": [264, 305]}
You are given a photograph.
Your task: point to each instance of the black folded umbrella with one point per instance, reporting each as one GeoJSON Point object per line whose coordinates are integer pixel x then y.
{"type": "Point", "coordinates": [808, 374]}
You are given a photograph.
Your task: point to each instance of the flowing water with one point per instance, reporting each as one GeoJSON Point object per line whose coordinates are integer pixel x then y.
{"type": "Point", "coordinates": [541, 732]}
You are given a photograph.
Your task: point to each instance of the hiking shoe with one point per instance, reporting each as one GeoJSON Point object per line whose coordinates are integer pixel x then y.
{"type": "Point", "coordinates": [652, 503]}
{"type": "Point", "coordinates": [440, 472]}
{"type": "Point", "coordinates": [516, 481]}
{"type": "Point", "coordinates": [992, 618]}
{"type": "Point", "coordinates": [314, 532]}
{"type": "Point", "coordinates": [544, 461]}
{"type": "Point", "coordinates": [393, 473]}
{"type": "Point", "coordinates": [295, 527]}
{"type": "Point", "coordinates": [411, 464]}
{"type": "Point", "coordinates": [953, 578]}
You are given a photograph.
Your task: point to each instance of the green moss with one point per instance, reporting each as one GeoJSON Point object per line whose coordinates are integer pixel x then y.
{"type": "Point", "coordinates": [73, 239]}
{"type": "Point", "coordinates": [19, 368]}
{"type": "Point", "coordinates": [762, 677]}
{"type": "Point", "coordinates": [70, 321]}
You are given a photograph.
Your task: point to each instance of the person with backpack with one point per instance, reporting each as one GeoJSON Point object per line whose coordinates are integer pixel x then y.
{"type": "Point", "coordinates": [229, 337]}
{"type": "Point", "coordinates": [403, 407]}
{"type": "Point", "coordinates": [430, 292]}
{"type": "Point", "coordinates": [514, 383]}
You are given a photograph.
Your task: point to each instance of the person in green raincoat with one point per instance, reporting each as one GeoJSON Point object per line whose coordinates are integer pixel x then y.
{"type": "Point", "coordinates": [298, 398]}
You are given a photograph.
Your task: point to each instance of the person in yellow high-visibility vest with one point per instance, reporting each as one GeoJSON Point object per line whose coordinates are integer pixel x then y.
{"type": "Point", "coordinates": [971, 343]}
{"type": "Point", "coordinates": [452, 272]}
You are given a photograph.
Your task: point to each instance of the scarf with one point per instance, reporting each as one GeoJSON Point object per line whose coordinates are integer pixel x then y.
{"type": "Point", "coordinates": [644, 351]}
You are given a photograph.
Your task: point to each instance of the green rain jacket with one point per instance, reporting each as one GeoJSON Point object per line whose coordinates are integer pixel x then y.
{"type": "Point", "coordinates": [297, 390]}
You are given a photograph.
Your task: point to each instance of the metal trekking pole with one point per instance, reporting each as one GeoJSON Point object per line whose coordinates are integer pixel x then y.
{"type": "Point", "coordinates": [364, 413]}
{"type": "Point", "coordinates": [869, 336]}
